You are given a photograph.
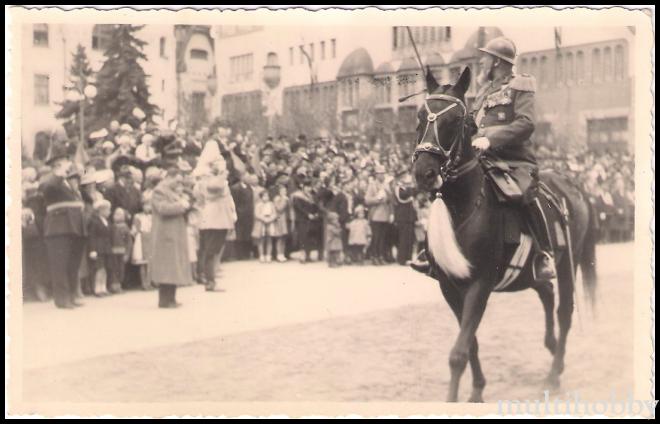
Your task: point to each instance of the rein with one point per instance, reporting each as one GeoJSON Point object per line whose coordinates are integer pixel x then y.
{"type": "Point", "coordinates": [450, 170]}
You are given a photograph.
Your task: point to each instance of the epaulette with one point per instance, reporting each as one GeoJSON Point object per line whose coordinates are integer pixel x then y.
{"type": "Point", "coordinates": [523, 82]}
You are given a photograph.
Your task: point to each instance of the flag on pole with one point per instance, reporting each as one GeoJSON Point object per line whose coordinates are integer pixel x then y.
{"type": "Point", "coordinates": [82, 157]}
{"type": "Point", "coordinates": [557, 38]}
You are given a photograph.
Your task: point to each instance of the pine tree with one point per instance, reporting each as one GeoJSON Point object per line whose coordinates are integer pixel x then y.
{"type": "Point", "coordinates": [80, 75]}
{"type": "Point", "coordinates": [121, 81]}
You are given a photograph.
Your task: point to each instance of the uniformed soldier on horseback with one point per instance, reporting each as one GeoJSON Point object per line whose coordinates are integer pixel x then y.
{"type": "Point", "coordinates": [503, 112]}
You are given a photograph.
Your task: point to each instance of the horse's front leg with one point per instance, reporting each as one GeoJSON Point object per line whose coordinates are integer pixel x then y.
{"type": "Point", "coordinates": [474, 305]}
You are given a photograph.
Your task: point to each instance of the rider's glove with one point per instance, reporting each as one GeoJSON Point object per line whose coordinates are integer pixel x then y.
{"type": "Point", "coordinates": [481, 143]}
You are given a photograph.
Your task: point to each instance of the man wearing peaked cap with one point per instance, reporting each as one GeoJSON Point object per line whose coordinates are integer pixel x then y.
{"type": "Point", "coordinates": [64, 229]}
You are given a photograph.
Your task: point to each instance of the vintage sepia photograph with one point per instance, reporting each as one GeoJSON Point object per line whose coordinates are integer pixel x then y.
{"type": "Point", "coordinates": [329, 212]}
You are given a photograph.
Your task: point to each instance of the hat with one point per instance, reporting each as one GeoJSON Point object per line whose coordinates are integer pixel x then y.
{"type": "Point", "coordinates": [108, 145]}
{"type": "Point", "coordinates": [124, 139]}
{"type": "Point", "coordinates": [153, 173]}
{"type": "Point", "coordinates": [101, 203]}
{"type": "Point", "coordinates": [102, 133]}
{"type": "Point", "coordinates": [104, 175]}
{"type": "Point", "coordinates": [88, 177]}
{"type": "Point", "coordinates": [126, 128]}
{"type": "Point", "coordinates": [74, 172]}
{"type": "Point", "coordinates": [358, 208]}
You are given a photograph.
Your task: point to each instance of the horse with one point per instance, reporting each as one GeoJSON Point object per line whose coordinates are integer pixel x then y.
{"type": "Point", "coordinates": [464, 245]}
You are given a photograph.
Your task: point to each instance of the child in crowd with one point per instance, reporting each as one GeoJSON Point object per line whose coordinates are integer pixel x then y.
{"type": "Point", "coordinates": [121, 248]}
{"type": "Point", "coordinates": [264, 228]}
{"type": "Point", "coordinates": [100, 248]}
{"type": "Point", "coordinates": [359, 235]}
{"type": "Point", "coordinates": [282, 208]}
{"type": "Point", "coordinates": [142, 240]}
{"type": "Point", "coordinates": [333, 239]}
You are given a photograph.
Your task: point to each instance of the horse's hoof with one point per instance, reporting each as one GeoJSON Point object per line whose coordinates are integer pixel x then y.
{"type": "Point", "coordinates": [476, 399]}
{"type": "Point", "coordinates": [551, 383]}
{"type": "Point", "coordinates": [551, 344]}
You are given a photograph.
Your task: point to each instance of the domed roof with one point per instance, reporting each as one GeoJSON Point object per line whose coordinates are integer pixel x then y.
{"type": "Point", "coordinates": [471, 46]}
{"type": "Point", "coordinates": [384, 68]}
{"type": "Point", "coordinates": [408, 64]}
{"type": "Point", "coordinates": [434, 59]}
{"type": "Point", "coordinates": [357, 63]}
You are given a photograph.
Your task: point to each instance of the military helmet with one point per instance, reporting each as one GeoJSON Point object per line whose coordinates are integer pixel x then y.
{"type": "Point", "coordinates": [502, 48]}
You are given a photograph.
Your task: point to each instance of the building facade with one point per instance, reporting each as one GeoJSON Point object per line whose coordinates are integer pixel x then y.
{"type": "Point", "coordinates": [348, 81]}
{"type": "Point", "coordinates": [180, 69]}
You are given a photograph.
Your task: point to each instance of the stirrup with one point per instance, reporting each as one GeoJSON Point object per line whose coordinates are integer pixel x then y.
{"type": "Point", "coordinates": [421, 263]}
{"type": "Point", "coordinates": [549, 272]}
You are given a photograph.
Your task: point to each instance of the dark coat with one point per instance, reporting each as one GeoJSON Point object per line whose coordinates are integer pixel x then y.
{"type": "Point", "coordinates": [504, 113]}
{"type": "Point", "coordinates": [303, 207]}
{"type": "Point", "coordinates": [126, 197]}
{"type": "Point", "coordinates": [404, 211]}
{"type": "Point", "coordinates": [67, 220]}
{"type": "Point", "coordinates": [100, 236]}
{"type": "Point", "coordinates": [339, 204]}
{"type": "Point", "coordinates": [243, 196]}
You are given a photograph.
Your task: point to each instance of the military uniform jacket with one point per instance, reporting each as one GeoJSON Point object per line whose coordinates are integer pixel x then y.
{"type": "Point", "coordinates": [504, 113]}
{"type": "Point", "coordinates": [64, 208]}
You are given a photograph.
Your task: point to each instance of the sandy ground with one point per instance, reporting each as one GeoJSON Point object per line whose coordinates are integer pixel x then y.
{"type": "Point", "coordinates": [306, 333]}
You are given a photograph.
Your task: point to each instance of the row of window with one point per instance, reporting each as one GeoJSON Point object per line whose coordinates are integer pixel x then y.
{"type": "Point", "coordinates": [241, 68]}
{"type": "Point", "coordinates": [421, 35]}
{"type": "Point", "coordinates": [606, 65]}
{"type": "Point", "coordinates": [308, 53]}
{"type": "Point", "coordinates": [323, 95]}
{"type": "Point", "coordinates": [101, 37]}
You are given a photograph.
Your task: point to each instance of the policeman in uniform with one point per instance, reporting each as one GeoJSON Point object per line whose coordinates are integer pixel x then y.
{"type": "Point", "coordinates": [504, 114]}
{"type": "Point", "coordinates": [64, 229]}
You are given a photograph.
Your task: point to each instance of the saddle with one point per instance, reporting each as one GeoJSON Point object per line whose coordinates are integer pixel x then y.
{"type": "Point", "coordinates": [510, 181]}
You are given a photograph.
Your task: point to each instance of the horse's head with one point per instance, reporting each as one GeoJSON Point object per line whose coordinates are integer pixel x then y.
{"type": "Point", "coordinates": [440, 131]}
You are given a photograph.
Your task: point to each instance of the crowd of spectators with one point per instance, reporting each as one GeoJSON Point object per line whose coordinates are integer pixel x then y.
{"type": "Point", "coordinates": [290, 198]}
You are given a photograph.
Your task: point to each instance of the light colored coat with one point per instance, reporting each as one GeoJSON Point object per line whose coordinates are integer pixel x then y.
{"type": "Point", "coordinates": [379, 200]}
{"type": "Point", "coordinates": [169, 262]}
{"type": "Point", "coordinates": [218, 211]}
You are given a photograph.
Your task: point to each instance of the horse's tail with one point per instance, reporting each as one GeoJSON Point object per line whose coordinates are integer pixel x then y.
{"type": "Point", "coordinates": [587, 259]}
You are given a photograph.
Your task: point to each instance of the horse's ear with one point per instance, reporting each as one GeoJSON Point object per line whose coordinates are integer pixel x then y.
{"type": "Point", "coordinates": [431, 82]}
{"type": "Point", "coordinates": [463, 82]}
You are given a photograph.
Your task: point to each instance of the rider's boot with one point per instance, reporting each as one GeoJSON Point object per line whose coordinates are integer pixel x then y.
{"type": "Point", "coordinates": [544, 262]}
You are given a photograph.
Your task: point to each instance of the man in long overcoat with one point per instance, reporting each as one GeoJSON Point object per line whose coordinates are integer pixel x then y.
{"type": "Point", "coordinates": [169, 266]}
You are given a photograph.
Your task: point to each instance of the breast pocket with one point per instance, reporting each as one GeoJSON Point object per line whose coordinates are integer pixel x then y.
{"type": "Point", "coordinates": [501, 114]}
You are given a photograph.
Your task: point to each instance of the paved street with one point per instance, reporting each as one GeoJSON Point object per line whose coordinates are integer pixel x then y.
{"type": "Point", "coordinates": [292, 332]}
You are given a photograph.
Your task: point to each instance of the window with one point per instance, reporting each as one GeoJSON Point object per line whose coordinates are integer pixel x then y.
{"type": "Point", "coordinates": [523, 66]}
{"type": "Point", "coordinates": [199, 54]}
{"type": "Point", "coordinates": [533, 67]}
{"type": "Point", "coordinates": [241, 68]}
{"type": "Point", "coordinates": [311, 52]}
{"type": "Point", "coordinates": [596, 65]}
{"type": "Point", "coordinates": [447, 33]}
{"type": "Point", "coordinates": [402, 37]}
{"type": "Point", "coordinates": [425, 34]}
{"type": "Point", "coordinates": [271, 59]}
{"type": "Point", "coordinates": [432, 34]}
{"type": "Point", "coordinates": [619, 63]}
{"type": "Point", "coordinates": [608, 69]}
{"type": "Point", "coordinates": [543, 72]}
{"type": "Point", "coordinates": [302, 54]}
{"type": "Point", "coordinates": [291, 56]}
{"type": "Point", "coordinates": [40, 35]}
{"type": "Point", "coordinates": [101, 36]}
{"type": "Point", "coordinates": [162, 46]}
{"type": "Point", "coordinates": [322, 50]}
{"type": "Point", "coordinates": [607, 131]}
{"type": "Point", "coordinates": [570, 70]}
{"type": "Point", "coordinates": [579, 67]}
{"type": "Point", "coordinates": [333, 43]}
{"type": "Point", "coordinates": [41, 90]}
{"type": "Point", "coordinates": [560, 69]}
{"type": "Point", "coordinates": [162, 85]}
{"type": "Point", "coordinates": [417, 34]}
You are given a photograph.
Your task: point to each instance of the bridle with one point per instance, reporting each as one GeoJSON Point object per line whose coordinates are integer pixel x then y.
{"type": "Point", "coordinates": [450, 169]}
